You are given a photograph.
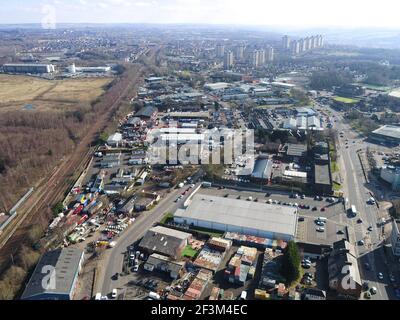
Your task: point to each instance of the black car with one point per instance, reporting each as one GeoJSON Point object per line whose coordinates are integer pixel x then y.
{"type": "Point", "coordinates": [301, 218]}
{"type": "Point", "coordinates": [267, 194]}
{"type": "Point", "coordinates": [314, 209]}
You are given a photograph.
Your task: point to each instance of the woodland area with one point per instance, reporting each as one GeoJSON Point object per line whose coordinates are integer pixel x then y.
{"type": "Point", "coordinates": [31, 142]}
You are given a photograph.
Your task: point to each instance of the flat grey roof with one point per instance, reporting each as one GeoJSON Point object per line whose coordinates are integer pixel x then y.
{"type": "Point", "coordinates": [66, 263]}
{"type": "Point", "coordinates": [388, 131]}
{"type": "Point", "coordinates": [163, 240]}
{"type": "Point", "coordinates": [296, 150]}
{"type": "Point", "coordinates": [247, 214]}
{"type": "Point", "coordinates": [322, 174]}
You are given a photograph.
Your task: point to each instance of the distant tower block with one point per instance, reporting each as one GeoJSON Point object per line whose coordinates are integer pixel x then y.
{"type": "Point", "coordinates": [72, 68]}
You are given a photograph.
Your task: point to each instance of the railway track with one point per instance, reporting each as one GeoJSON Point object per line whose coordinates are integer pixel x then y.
{"type": "Point", "coordinates": [37, 209]}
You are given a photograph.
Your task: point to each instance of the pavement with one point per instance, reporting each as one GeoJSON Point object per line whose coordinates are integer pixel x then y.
{"type": "Point", "coordinates": [357, 191]}
{"type": "Point", "coordinates": [113, 260]}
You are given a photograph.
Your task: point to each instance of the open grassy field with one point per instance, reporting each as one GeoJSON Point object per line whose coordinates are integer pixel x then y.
{"type": "Point", "coordinates": [376, 87]}
{"type": "Point", "coordinates": [345, 100]}
{"type": "Point", "coordinates": [44, 95]}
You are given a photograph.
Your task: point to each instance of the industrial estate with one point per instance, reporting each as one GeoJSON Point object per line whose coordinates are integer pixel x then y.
{"type": "Point", "coordinates": [306, 208]}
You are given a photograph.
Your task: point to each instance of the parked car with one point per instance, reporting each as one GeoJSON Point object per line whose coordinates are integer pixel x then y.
{"type": "Point", "coordinates": [380, 276]}
{"type": "Point", "coordinates": [114, 293]}
{"type": "Point", "coordinates": [320, 229]}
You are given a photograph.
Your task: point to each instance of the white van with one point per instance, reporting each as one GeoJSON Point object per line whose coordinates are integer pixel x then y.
{"type": "Point", "coordinates": [114, 293]}
{"type": "Point", "coordinates": [98, 296]}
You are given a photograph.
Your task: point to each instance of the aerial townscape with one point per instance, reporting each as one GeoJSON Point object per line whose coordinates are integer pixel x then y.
{"type": "Point", "coordinates": [198, 162]}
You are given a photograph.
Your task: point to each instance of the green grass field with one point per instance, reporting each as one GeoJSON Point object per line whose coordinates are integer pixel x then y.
{"type": "Point", "coordinates": [345, 100]}
{"type": "Point", "coordinates": [376, 87]}
{"type": "Point", "coordinates": [210, 232]}
{"type": "Point", "coordinates": [189, 252]}
{"type": "Point", "coordinates": [337, 186]}
{"type": "Point", "coordinates": [167, 218]}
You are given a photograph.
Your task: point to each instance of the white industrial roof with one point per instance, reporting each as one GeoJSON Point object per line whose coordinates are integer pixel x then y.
{"type": "Point", "coordinates": [182, 137]}
{"type": "Point", "coordinates": [298, 174]}
{"type": "Point", "coordinates": [241, 213]}
{"type": "Point", "coordinates": [115, 137]}
{"type": "Point", "coordinates": [389, 131]}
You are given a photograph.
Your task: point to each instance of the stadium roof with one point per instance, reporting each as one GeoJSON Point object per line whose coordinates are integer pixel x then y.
{"type": "Point", "coordinates": [246, 214]}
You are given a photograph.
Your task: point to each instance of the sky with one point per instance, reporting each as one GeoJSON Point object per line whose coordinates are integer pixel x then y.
{"type": "Point", "coordinates": [296, 13]}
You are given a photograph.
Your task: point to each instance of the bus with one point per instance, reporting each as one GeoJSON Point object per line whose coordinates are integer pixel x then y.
{"type": "Point", "coordinates": [353, 210]}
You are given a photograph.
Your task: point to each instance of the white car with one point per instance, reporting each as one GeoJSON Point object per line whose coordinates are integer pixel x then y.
{"type": "Point", "coordinates": [114, 293]}
{"type": "Point", "coordinates": [380, 276]}
{"type": "Point", "coordinates": [320, 229]}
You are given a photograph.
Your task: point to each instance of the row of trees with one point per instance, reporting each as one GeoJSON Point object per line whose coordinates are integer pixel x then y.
{"type": "Point", "coordinates": [22, 263]}
{"type": "Point", "coordinates": [321, 80]}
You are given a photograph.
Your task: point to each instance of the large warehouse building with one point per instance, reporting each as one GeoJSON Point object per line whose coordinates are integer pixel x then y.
{"type": "Point", "coordinates": [28, 68]}
{"type": "Point", "coordinates": [55, 276]}
{"type": "Point", "coordinates": [387, 134]}
{"type": "Point", "coordinates": [245, 217]}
